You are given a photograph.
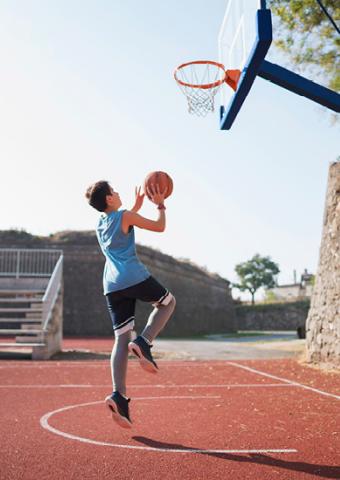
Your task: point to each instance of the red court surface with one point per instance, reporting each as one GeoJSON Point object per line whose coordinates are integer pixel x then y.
{"type": "Point", "coordinates": [268, 419]}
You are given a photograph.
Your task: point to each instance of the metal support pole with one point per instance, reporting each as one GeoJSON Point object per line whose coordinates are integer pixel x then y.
{"type": "Point", "coordinates": [300, 85]}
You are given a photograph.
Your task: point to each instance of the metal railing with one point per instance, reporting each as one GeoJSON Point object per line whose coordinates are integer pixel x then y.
{"type": "Point", "coordinates": [28, 262]}
{"type": "Point", "coordinates": [51, 293]}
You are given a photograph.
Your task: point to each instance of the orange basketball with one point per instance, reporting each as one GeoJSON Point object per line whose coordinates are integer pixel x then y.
{"type": "Point", "coordinates": [162, 179]}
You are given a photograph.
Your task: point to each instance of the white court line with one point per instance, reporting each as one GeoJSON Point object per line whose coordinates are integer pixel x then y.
{"type": "Point", "coordinates": [290, 382]}
{"type": "Point", "coordinates": [78, 385]}
{"type": "Point", "coordinates": [44, 424]}
{"type": "Point", "coordinates": [105, 363]}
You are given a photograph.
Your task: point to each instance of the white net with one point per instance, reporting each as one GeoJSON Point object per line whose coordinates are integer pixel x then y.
{"type": "Point", "coordinates": [200, 81]}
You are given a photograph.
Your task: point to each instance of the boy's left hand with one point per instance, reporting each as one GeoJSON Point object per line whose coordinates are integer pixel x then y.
{"type": "Point", "coordinates": [139, 199]}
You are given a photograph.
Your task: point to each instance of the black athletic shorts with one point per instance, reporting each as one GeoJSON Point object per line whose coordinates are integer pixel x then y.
{"type": "Point", "coordinates": [121, 304]}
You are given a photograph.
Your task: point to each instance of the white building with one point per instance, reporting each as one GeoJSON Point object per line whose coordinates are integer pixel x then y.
{"type": "Point", "coordinates": [297, 290]}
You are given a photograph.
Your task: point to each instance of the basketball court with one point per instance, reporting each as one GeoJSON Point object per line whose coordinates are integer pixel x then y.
{"type": "Point", "coordinates": [195, 419]}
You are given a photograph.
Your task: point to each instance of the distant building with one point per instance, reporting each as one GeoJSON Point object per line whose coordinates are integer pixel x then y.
{"type": "Point", "coordinates": [296, 290]}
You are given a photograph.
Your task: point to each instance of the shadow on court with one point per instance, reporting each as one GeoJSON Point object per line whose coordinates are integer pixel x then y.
{"type": "Point", "coordinates": [323, 471]}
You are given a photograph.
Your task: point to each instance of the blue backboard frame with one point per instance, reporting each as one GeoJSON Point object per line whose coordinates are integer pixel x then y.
{"type": "Point", "coordinates": [256, 65]}
{"type": "Point", "coordinates": [259, 51]}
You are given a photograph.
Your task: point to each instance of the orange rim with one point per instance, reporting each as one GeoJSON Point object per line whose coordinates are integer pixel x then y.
{"type": "Point", "coordinates": [204, 85]}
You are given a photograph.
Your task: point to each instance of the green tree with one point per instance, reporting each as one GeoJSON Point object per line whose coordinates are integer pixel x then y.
{"type": "Point", "coordinates": [255, 273]}
{"type": "Point", "coordinates": [307, 36]}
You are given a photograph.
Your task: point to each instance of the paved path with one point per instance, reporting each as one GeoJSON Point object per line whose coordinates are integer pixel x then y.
{"type": "Point", "coordinates": [221, 348]}
{"type": "Point", "coordinates": [213, 347]}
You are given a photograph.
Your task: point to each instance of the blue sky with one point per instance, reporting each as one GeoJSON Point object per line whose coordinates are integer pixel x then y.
{"type": "Point", "coordinates": [88, 93]}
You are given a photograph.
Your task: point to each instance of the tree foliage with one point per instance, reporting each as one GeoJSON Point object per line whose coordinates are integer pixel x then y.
{"type": "Point", "coordinates": [307, 36]}
{"type": "Point", "coordinates": [256, 273]}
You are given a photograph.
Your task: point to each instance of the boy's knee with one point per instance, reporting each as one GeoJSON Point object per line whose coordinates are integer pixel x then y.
{"type": "Point", "coordinates": [170, 300]}
{"type": "Point", "coordinates": [165, 301]}
{"type": "Point", "coordinates": [172, 303]}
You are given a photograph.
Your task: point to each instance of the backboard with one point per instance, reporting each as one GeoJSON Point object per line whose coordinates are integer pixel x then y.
{"type": "Point", "coordinates": [244, 39]}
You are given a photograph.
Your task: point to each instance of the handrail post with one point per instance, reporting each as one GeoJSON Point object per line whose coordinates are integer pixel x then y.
{"type": "Point", "coordinates": [18, 264]}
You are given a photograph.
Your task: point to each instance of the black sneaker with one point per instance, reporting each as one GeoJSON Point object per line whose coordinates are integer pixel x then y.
{"type": "Point", "coordinates": [142, 350]}
{"type": "Point", "coordinates": [119, 408]}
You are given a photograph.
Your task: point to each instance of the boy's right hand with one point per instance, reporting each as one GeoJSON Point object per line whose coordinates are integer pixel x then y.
{"type": "Point", "coordinates": [155, 195]}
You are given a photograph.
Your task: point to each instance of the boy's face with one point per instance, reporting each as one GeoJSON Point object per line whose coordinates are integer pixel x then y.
{"type": "Point", "coordinates": [113, 200]}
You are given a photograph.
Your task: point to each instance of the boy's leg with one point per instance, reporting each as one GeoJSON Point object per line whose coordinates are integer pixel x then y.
{"type": "Point", "coordinates": [119, 362]}
{"type": "Point", "coordinates": [151, 291]}
{"type": "Point", "coordinates": [164, 302]}
{"type": "Point", "coordinates": [158, 319]}
{"type": "Point", "coordinates": [122, 314]}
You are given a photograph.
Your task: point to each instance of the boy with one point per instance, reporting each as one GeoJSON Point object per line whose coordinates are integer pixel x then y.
{"type": "Point", "coordinates": [126, 280]}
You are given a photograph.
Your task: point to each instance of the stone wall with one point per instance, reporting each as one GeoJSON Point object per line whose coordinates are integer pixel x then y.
{"type": "Point", "coordinates": [273, 316]}
{"type": "Point", "coordinates": [323, 323]}
{"type": "Point", "coordinates": [204, 303]}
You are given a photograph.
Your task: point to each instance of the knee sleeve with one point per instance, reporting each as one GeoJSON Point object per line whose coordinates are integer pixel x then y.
{"type": "Point", "coordinates": [165, 300]}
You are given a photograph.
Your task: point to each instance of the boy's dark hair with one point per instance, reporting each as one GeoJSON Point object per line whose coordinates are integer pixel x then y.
{"type": "Point", "coordinates": [96, 195]}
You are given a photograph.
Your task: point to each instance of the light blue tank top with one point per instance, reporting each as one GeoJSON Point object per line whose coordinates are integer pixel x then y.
{"type": "Point", "coordinates": [122, 267]}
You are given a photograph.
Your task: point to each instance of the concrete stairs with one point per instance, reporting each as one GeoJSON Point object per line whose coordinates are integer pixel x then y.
{"type": "Point", "coordinates": [31, 301]}
{"type": "Point", "coordinates": [21, 318]}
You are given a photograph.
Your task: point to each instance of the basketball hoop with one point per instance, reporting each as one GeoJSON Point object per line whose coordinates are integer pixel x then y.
{"type": "Point", "coordinates": [200, 81]}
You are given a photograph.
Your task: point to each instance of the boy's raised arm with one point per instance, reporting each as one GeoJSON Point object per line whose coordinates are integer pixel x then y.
{"type": "Point", "coordinates": [133, 218]}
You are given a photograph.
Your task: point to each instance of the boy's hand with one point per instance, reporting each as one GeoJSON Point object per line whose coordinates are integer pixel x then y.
{"type": "Point", "coordinates": [156, 196]}
{"type": "Point", "coordinates": [139, 199]}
